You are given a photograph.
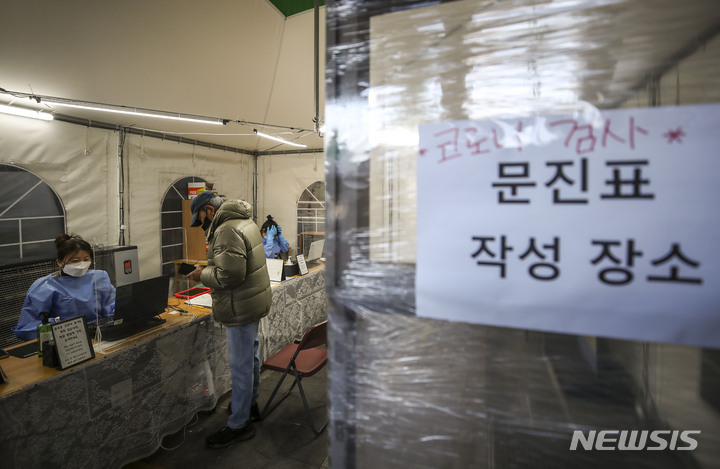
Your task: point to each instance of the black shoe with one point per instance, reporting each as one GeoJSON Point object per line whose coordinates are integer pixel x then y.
{"type": "Point", "coordinates": [228, 436]}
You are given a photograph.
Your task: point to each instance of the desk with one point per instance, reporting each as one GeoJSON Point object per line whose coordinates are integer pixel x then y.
{"type": "Point", "coordinates": [116, 408]}
{"type": "Point", "coordinates": [296, 305]}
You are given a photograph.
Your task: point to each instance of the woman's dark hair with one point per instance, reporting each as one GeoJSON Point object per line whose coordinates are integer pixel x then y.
{"type": "Point", "coordinates": [69, 244]}
{"type": "Point", "coordinates": [268, 223]}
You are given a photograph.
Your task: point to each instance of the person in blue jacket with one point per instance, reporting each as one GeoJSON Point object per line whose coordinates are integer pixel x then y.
{"type": "Point", "coordinates": [272, 238]}
{"type": "Point", "coordinates": [71, 292]}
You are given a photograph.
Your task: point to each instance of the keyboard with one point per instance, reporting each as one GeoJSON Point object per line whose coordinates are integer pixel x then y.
{"type": "Point", "coordinates": [114, 332]}
{"type": "Point", "coordinates": [24, 351]}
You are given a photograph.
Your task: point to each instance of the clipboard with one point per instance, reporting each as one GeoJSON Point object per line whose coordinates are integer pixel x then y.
{"type": "Point", "coordinates": [192, 292]}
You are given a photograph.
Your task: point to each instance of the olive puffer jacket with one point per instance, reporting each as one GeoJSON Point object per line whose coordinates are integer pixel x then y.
{"type": "Point", "coordinates": [237, 271]}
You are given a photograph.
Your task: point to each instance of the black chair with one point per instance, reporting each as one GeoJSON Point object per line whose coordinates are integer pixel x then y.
{"type": "Point", "coordinates": [301, 360]}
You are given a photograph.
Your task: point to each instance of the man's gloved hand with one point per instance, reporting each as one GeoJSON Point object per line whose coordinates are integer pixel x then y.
{"type": "Point", "coordinates": [279, 229]}
{"type": "Point", "coordinates": [271, 233]}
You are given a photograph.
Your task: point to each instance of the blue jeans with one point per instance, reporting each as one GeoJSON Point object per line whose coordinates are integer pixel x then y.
{"type": "Point", "coordinates": [244, 357]}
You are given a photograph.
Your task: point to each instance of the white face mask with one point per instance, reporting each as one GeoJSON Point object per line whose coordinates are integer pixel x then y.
{"type": "Point", "coordinates": [77, 269]}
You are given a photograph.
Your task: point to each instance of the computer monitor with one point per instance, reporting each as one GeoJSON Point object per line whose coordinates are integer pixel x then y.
{"type": "Point", "coordinates": [141, 300]}
{"type": "Point", "coordinates": [316, 250]}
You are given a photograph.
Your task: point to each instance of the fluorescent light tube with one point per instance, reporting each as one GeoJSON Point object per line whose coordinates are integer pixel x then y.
{"type": "Point", "coordinates": [136, 112]}
{"type": "Point", "coordinates": [278, 139]}
{"type": "Point", "coordinates": [18, 111]}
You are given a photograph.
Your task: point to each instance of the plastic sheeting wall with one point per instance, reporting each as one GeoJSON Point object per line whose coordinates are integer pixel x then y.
{"type": "Point", "coordinates": [410, 392]}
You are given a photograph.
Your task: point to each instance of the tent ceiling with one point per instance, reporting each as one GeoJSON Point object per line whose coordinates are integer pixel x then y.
{"type": "Point", "coordinates": [237, 61]}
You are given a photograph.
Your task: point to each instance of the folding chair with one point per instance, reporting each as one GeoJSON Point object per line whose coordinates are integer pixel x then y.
{"type": "Point", "coordinates": [302, 360]}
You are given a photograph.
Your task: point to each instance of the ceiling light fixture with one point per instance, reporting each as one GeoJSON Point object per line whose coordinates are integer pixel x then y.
{"type": "Point", "coordinates": [119, 109]}
{"type": "Point", "coordinates": [134, 111]}
{"type": "Point", "coordinates": [278, 139]}
{"type": "Point", "coordinates": [18, 111]}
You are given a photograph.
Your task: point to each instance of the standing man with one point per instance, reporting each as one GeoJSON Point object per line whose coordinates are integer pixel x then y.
{"type": "Point", "coordinates": [240, 287]}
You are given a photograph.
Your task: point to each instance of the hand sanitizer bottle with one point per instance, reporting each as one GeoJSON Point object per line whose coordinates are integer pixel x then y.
{"type": "Point", "coordinates": [44, 332]}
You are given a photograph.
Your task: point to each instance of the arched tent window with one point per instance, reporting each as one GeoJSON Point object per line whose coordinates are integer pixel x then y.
{"type": "Point", "coordinates": [172, 228]}
{"type": "Point", "coordinates": [311, 215]}
{"type": "Point", "coordinates": [31, 216]}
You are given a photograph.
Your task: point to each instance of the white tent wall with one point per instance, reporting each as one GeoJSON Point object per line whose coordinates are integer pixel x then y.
{"type": "Point", "coordinates": [79, 163]}
{"type": "Point", "coordinates": [152, 166]}
{"type": "Point", "coordinates": [281, 181]}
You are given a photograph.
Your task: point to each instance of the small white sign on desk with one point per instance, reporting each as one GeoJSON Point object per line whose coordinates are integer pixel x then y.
{"type": "Point", "coordinates": [302, 265]}
{"type": "Point", "coordinates": [598, 224]}
{"type": "Point", "coordinates": [72, 342]}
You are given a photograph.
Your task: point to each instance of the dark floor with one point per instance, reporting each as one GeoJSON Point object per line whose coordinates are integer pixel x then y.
{"type": "Point", "coordinates": [282, 440]}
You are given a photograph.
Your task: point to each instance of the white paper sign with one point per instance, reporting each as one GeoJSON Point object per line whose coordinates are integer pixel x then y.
{"type": "Point", "coordinates": [301, 264]}
{"type": "Point", "coordinates": [602, 224]}
{"type": "Point", "coordinates": [72, 342]}
{"type": "Point", "coordinates": [275, 269]}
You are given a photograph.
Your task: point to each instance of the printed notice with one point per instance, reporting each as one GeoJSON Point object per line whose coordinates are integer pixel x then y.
{"type": "Point", "coordinates": [302, 265]}
{"type": "Point", "coordinates": [596, 224]}
{"type": "Point", "coordinates": [72, 342]}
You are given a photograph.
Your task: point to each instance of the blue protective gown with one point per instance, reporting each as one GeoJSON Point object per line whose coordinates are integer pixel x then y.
{"type": "Point", "coordinates": [67, 297]}
{"type": "Point", "coordinates": [277, 245]}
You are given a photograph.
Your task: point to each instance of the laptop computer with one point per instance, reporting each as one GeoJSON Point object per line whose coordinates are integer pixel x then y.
{"type": "Point", "coordinates": [316, 251]}
{"type": "Point", "coordinates": [137, 306]}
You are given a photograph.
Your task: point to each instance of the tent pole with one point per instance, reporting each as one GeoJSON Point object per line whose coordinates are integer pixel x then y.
{"type": "Point", "coordinates": [316, 119]}
{"type": "Point", "coordinates": [121, 186]}
{"type": "Point", "coordinates": [255, 188]}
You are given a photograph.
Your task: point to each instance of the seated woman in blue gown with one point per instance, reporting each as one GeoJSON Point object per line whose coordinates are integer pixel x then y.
{"type": "Point", "coordinates": [72, 291]}
{"type": "Point", "coordinates": [272, 238]}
